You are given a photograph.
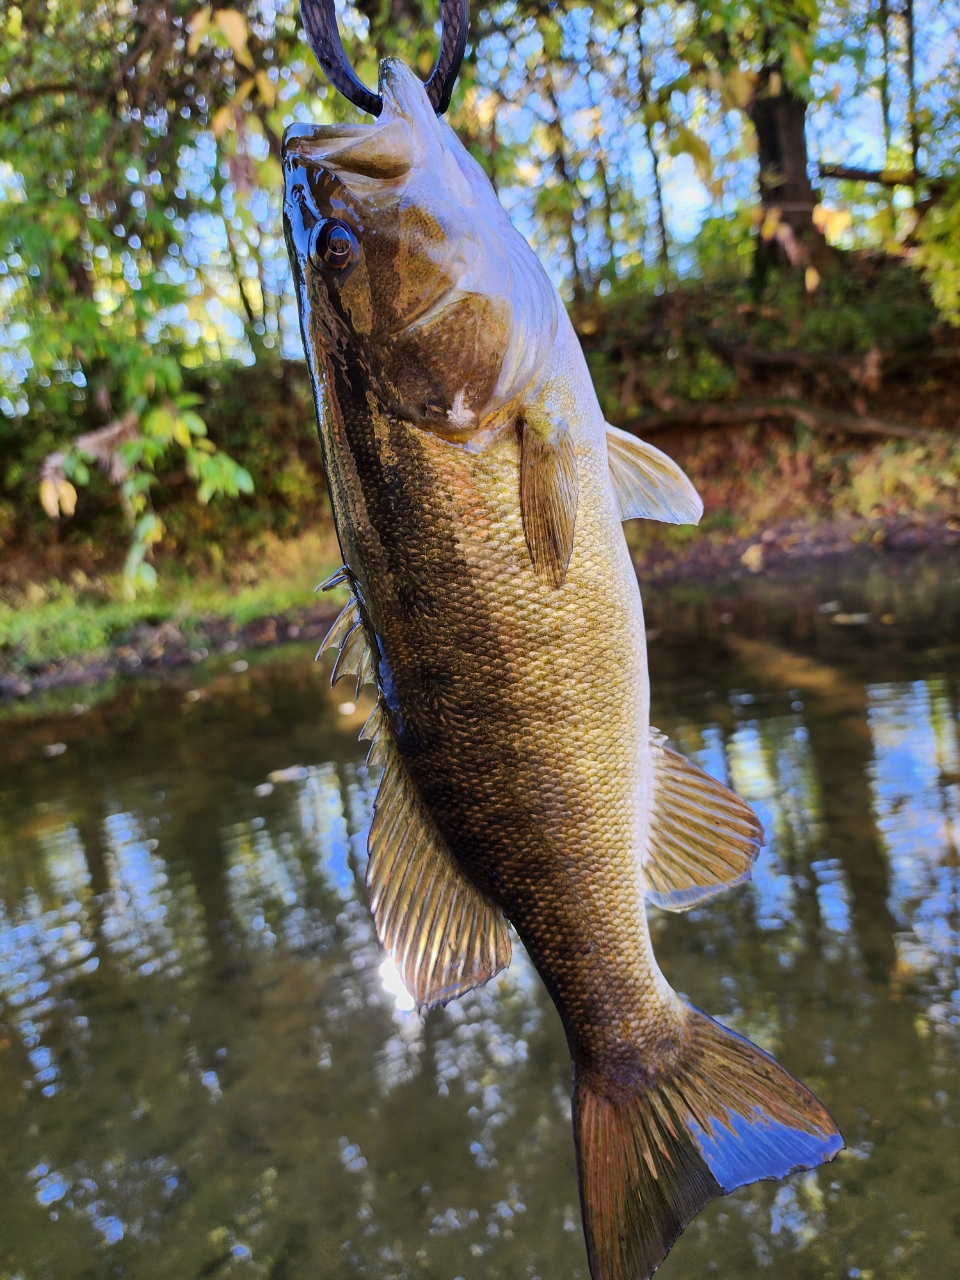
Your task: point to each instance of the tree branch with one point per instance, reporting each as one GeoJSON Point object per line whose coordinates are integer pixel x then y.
{"type": "Point", "coordinates": [10, 100]}
{"type": "Point", "coordinates": [883, 177]}
{"type": "Point", "coordinates": [747, 411]}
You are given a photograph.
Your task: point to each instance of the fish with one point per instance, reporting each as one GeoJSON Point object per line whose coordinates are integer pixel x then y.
{"type": "Point", "coordinates": [479, 499]}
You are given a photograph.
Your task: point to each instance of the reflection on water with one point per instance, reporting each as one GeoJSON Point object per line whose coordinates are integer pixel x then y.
{"type": "Point", "coordinates": [207, 1066]}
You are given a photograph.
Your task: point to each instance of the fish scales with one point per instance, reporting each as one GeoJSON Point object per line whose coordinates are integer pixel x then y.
{"type": "Point", "coordinates": [478, 496]}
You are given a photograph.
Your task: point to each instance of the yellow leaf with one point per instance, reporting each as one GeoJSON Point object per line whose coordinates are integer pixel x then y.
{"type": "Point", "coordinates": [266, 89]}
{"type": "Point", "coordinates": [769, 226]}
{"type": "Point", "coordinates": [49, 500]}
{"type": "Point", "coordinates": [811, 278]}
{"type": "Point", "coordinates": [221, 122]}
{"type": "Point", "coordinates": [68, 497]}
{"type": "Point", "coordinates": [181, 433]}
{"type": "Point", "coordinates": [740, 83]}
{"type": "Point", "coordinates": [831, 223]}
{"type": "Point", "coordinates": [234, 28]}
{"type": "Point", "coordinates": [798, 55]}
{"type": "Point", "coordinates": [838, 222]}
{"type": "Point", "coordinates": [752, 558]}
{"type": "Point", "coordinates": [685, 140]}
{"type": "Point", "coordinates": [199, 25]}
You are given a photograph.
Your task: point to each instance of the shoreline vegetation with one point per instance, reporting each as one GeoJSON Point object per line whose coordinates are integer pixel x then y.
{"type": "Point", "coordinates": [812, 425]}
{"type": "Point", "coordinates": [82, 636]}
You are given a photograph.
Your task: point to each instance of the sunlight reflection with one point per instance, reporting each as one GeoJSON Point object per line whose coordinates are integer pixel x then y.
{"type": "Point", "coordinates": [150, 925]}
{"type": "Point", "coordinates": [393, 985]}
{"type": "Point", "coordinates": [43, 949]}
{"type": "Point", "coordinates": [917, 797]}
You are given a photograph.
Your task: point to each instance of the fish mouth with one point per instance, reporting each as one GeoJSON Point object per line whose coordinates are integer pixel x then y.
{"type": "Point", "coordinates": [381, 151]}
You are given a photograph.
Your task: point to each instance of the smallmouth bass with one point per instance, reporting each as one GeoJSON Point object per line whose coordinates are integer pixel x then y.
{"type": "Point", "coordinates": [478, 497]}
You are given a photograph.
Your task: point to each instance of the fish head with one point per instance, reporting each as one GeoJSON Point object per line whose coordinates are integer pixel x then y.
{"type": "Point", "coordinates": [406, 262]}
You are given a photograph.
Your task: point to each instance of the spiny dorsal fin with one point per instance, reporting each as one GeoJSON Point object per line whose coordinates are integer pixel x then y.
{"type": "Point", "coordinates": [338, 579]}
{"type": "Point", "coordinates": [347, 619]}
{"type": "Point", "coordinates": [649, 484]}
{"type": "Point", "coordinates": [549, 493]}
{"type": "Point", "coordinates": [703, 838]}
{"type": "Point", "coordinates": [443, 935]}
{"type": "Point", "coordinates": [354, 654]}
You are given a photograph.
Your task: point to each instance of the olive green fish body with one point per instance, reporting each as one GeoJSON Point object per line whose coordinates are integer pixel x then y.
{"type": "Point", "coordinates": [478, 497]}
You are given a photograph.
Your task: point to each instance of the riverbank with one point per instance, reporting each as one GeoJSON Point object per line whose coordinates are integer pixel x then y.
{"type": "Point", "coordinates": [62, 635]}
{"type": "Point", "coordinates": [78, 641]}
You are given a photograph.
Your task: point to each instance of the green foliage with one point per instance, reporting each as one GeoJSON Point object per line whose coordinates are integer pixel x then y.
{"type": "Point", "coordinates": [938, 255]}
{"type": "Point", "coordinates": [711, 378]}
{"type": "Point", "coordinates": [142, 268]}
{"type": "Point", "coordinates": [903, 479]}
{"type": "Point", "coordinates": [836, 329]}
{"type": "Point", "coordinates": [84, 617]}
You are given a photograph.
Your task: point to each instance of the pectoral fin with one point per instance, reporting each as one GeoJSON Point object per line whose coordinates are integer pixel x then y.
{"type": "Point", "coordinates": [649, 484]}
{"type": "Point", "coordinates": [443, 935]}
{"type": "Point", "coordinates": [703, 837]}
{"type": "Point", "coordinates": [549, 493]}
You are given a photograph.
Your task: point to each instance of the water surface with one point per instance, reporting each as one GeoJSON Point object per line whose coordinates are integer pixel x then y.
{"type": "Point", "coordinates": [207, 1069]}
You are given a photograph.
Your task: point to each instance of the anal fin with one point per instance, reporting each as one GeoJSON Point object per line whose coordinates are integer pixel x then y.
{"type": "Point", "coordinates": [443, 935]}
{"type": "Point", "coordinates": [648, 483]}
{"type": "Point", "coordinates": [703, 838]}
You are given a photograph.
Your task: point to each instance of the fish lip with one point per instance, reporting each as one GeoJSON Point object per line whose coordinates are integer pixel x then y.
{"type": "Point", "coordinates": [297, 133]}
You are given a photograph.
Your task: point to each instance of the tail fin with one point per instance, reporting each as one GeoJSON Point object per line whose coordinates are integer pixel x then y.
{"type": "Point", "coordinates": [650, 1159]}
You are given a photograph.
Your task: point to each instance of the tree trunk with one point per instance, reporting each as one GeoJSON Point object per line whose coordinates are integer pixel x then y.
{"type": "Point", "coordinates": [779, 118]}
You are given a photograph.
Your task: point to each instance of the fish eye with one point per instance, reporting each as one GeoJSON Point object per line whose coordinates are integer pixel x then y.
{"type": "Point", "coordinates": [333, 245]}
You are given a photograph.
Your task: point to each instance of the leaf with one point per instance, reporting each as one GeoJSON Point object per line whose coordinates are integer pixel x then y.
{"type": "Point", "coordinates": [198, 27]}
{"type": "Point", "coordinates": [67, 496]}
{"type": "Point", "coordinates": [221, 122]}
{"type": "Point", "coordinates": [181, 433]}
{"type": "Point", "coordinates": [798, 56]}
{"type": "Point", "coordinates": [146, 576]}
{"type": "Point", "coordinates": [685, 140]}
{"type": "Point", "coordinates": [193, 422]}
{"type": "Point", "coordinates": [266, 89]}
{"type": "Point", "coordinates": [233, 25]}
{"type": "Point", "coordinates": [158, 423]}
{"type": "Point", "coordinates": [740, 85]}
{"type": "Point", "coordinates": [49, 499]}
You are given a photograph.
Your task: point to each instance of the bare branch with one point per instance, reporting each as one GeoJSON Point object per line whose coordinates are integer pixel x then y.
{"type": "Point", "coordinates": [747, 411]}
{"type": "Point", "coordinates": [883, 177]}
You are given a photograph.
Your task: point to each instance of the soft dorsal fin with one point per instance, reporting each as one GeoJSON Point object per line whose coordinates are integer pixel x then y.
{"type": "Point", "coordinates": [443, 935]}
{"type": "Point", "coordinates": [703, 837]}
{"type": "Point", "coordinates": [648, 484]}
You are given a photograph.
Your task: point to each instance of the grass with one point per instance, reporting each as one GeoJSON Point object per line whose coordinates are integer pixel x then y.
{"type": "Point", "coordinates": [82, 618]}
{"type": "Point", "coordinates": [749, 480]}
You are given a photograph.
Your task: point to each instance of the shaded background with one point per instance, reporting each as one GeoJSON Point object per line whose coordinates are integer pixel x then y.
{"type": "Point", "coordinates": [750, 209]}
